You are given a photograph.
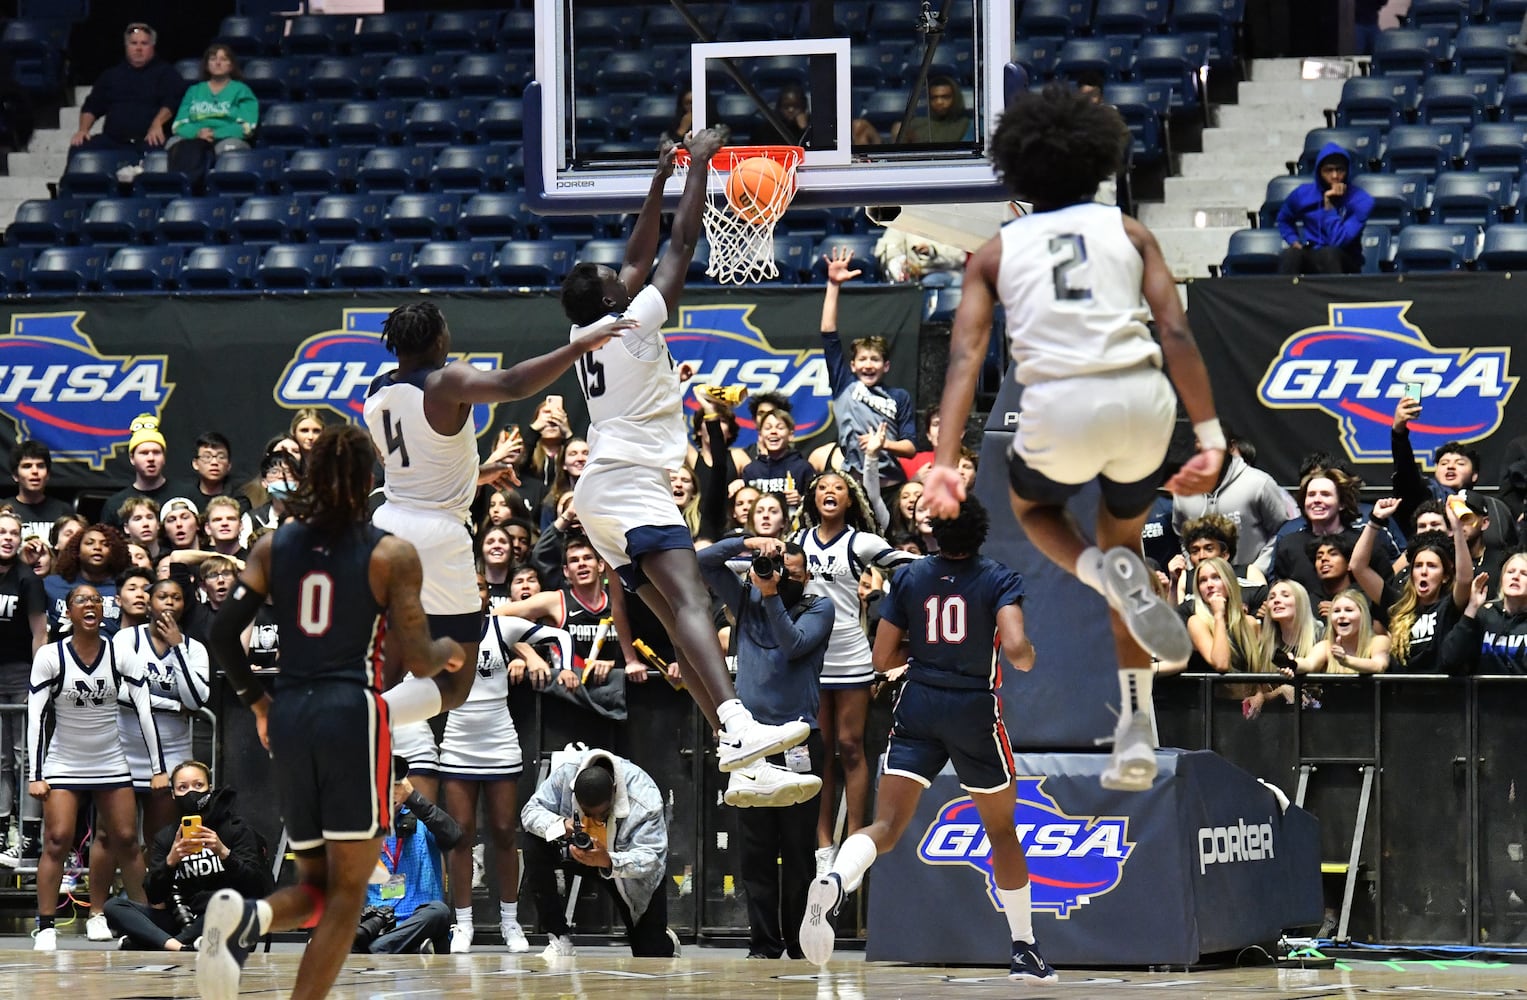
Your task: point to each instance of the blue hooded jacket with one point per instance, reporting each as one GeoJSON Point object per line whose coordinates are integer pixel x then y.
{"type": "Point", "coordinates": [1341, 226]}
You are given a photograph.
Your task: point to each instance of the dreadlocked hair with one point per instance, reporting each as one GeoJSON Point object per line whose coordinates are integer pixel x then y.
{"type": "Point", "coordinates": [412, 328]}
{"type": "Point", "coordinates": [334, 493]}
{"type": "Point", "coordinates": [1054, 147]}
{"type": "Point", "coordinates": [857, 514]}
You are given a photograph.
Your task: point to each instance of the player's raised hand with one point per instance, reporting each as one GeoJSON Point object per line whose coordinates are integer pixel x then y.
{"type": "Point", "coordinates": [604, 334]}
{"type": "Point", "coordinates": [666, 155]}
{"type": "Point", "coordinates": [838, 265]}
{"type": "Point", "coordinates": [1405, 411]}
{"type": "Point", "coordinates": [943, 490]}
{"type": "Point", "coordinates": [1198, 474]}
{"type": "Point", "coordinates": [704, 144]}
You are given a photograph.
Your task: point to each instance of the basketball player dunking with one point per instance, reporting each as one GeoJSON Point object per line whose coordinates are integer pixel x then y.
{"type": "Point", "coordinates": [1095, 404]}
{"type": "Point", "coordinates": [636, 435]}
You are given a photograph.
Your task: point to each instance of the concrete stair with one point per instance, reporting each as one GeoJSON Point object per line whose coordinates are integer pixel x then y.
{"type": "Point", "coordinates": [30, 173]}
{"type": "Point", "coordinates": [1249, 143]}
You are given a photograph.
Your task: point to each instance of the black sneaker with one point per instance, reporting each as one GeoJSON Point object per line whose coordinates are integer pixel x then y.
{"type": "Point", "coordinates": [230, 930]}
{"type": "Point", "coordinates": [1030, 966]}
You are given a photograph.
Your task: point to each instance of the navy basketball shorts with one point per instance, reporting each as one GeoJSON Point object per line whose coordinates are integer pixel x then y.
{"type": "Point", "coordinates": [332, 750]}
{"type": "Point", "coordinates": [933, 726]}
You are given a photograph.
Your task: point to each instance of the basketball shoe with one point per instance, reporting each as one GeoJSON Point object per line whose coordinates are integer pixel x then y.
{"type": "Point", "coordinates": [1030, 966]}
{"type": "Point", "coordinates": [1132, 765]}
{"type": "Point", "coordinates": [758, 741]}
{"type": "Point", "coordinates": [818, 935]}
{"type": "Point", "coordinates": [764, 784]}
{"type": "Point", "coordinates": [1152, 621]}
{"type": "Point", "coordinates": [230, 930]}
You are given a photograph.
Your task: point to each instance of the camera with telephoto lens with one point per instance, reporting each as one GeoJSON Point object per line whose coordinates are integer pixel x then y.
{"type": "Point", "coordinates": [577, 839]}
{"type": "Point", "coordinates": [375, 921]}
{"type": "Point", "coordinates": [765, 566]}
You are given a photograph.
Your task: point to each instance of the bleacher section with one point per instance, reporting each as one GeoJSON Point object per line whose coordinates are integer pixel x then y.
{"type": "Point", "coordinates": [1438, 133]}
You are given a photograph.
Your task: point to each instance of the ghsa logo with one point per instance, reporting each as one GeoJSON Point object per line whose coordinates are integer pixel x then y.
{"type": "Point", "coordinates": [1355, 369]}
{"type": "Point", "coordinates": [725, 347]}
{"type": "Point", "coordinates": [333, 369]}
{"type": "Point", "coordinates": [1072, 859]}
{"type": "Point", "coordinates": [60, 390]}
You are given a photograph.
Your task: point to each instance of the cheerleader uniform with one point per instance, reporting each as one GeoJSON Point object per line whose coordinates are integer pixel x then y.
{"type": "Point", "coordinates": [835, 566]}
{"type": "Point", "coordinates": [177, 685]}
{"type": "Point", "coordinates": [84, 752]}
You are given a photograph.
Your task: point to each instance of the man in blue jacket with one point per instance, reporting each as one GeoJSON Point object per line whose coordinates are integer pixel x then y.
{"type": "Point", "coordinates": [1322, 221]}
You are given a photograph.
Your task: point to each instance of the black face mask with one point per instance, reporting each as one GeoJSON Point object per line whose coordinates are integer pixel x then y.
{"type": "Point", "coordinates": [791, 591]}
{"type": "Point", "coordinates": [192, 803]}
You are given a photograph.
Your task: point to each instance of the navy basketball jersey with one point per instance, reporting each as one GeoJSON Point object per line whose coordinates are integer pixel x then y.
{"type": "Point", "coordinates": [948, 610]}
{"type": "Point", "coordinates": [331, 626]}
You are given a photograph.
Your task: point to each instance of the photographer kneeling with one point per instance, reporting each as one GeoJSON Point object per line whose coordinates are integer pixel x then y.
{"type": "Point", "coordinates": [405, 901]}
{"type": "Point", "coordinates": [600, 816]}
{"type": "Point", "coordinates": [208, 849]}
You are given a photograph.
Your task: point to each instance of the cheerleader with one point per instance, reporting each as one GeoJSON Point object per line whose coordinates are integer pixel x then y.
{"type": "Point", "coordinates": [74, 686]}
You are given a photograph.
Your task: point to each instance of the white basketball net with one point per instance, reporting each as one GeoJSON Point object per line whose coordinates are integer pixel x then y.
{"type": "Point", "coordinates": [742, 252]}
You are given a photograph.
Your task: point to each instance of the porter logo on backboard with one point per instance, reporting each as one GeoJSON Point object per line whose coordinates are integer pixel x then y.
{"type": "Point", "coordinates": [725, 347]}
{"type": "Point", "coordinates": [1355, 368]}
{"type": "Point", "coordinates": [333, 369]}
{"type": "Point", "coordinates": [1072, 859]}
{"type": "Point", "coordinates": [62, 391]}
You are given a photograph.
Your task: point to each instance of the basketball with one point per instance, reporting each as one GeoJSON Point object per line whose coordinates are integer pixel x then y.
{"type": "Point", "coordinates": [752, 188]}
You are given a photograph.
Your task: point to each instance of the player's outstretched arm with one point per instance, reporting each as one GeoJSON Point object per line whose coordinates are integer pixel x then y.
{"type": "Point", "coordinates": [668, 279]}
{"type": "Point", "coordinates": [641, 248]}
{"type": "Point", "coordinates": [942, 487]}
{"type": "Point", "coordinates": [397, 576]}
{"type": "Point", "coordinates": [468, 385]}
{"type": "Point", "coordinates": [1015, 640]}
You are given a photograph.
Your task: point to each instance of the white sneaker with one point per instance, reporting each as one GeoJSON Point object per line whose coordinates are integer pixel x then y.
{"type": "Point", "coordinates": [514, 937]}
{"type": "Point", "coordinates": [1153, 622]}
{"type": "Point", "coordinates": [1132, 765]}
{"type": "Point", "coordinates": [24, 850]}
{"type": "Point", "coordinates": [759, 741]}
{"type": "Point", "coordinates": [818, 936]}
{"type": "Point", "coordinates": [67, 883]}
{"type": "Point", "coordinates": [46, 940]}
{"type": "Point", "coordinates": [824, 858]}
{"type": "Point", "coordinates": [764, 784]}
{"type": "Point", "coordinates": [461, 939]}
{"type": "Point", "coordinates": [678, 949]}
{"type": "Point", "coordinates": [558, 946]}
{"type": "Point", "coordinates": [96, 928]}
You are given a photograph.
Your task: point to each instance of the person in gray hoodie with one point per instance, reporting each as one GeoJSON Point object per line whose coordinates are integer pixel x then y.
{"type": "Point", "coordinates": [1250, 498]}
{"type": "Point", "coordinates": [620, 808]}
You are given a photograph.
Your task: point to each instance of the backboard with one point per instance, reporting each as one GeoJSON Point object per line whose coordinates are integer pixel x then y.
{"type": "Point", "coordinates": [610, 77]}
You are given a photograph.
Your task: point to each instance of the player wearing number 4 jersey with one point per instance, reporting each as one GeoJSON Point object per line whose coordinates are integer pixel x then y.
{"type": "Point", "coordinates": [420, 416]}
{"type": "Point", "coordinates": [1075, 279]}
{"type": "Point", "coordinates": [637, 435]}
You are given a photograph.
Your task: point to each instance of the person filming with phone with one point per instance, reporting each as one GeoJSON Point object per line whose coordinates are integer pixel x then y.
{"type": "Point", "coordinates": [209, 847]}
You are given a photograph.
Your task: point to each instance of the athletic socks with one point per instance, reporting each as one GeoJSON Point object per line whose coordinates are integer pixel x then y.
{"type": "Point", "coordinates": [854, 858]}
{"type": "Point", "coordinates": [464, 917]}
{"type": "Point", "coordinates": [734, 718]}
{"type": "Point", "coordinates": [1089, 569]}
{"type": "Point", "coordinates": [414, 700]}
{"type": "Point", "coordinates": [1134, 691]}
{"type": "Point", "coordinates": [508, 913]}
{"type": "Point", "coordinates": [264, 916]}
{"type": "Point", "coordinates": [1015, 906]}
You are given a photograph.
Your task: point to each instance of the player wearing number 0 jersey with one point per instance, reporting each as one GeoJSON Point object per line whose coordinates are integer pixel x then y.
{"type": "Point", "coordinates": [1075, 279]}
{"type": "Point", "coordinates": [636, 435]}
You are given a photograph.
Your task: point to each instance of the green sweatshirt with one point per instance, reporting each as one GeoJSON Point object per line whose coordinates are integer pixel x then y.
{"type": "Point", "coordinates": [230, 114]}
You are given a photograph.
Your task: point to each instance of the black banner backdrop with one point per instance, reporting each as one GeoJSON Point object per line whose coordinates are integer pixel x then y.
{"type": "Point", "coordinates": [74, 373]}
{"type": "Point", "coordinates": [1319, 364]}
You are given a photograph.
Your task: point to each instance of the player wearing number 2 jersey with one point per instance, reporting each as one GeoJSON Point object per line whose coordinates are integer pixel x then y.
{"type": "Point", "coordinates": [420, 416]}
{"type": "Point", "coordinates": [1074, 278]}
{"type": "Point", "coordinates": [636, 436]}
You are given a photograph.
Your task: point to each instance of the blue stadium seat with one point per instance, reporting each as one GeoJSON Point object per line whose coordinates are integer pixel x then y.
{"type": "Point", "coordinates": [1375, 101]}
{"type": "Point", "coordinates": [1463, 196]}
{"type": "Point", "coordinates": [268, 219]}
{"type": "Point", "coordinates": [1482, 48]}
{"type": "Point", "coordinates": [346, 218]}
{"type": "Point", "coordinates": [1278, 190]}
{"type": "Point", "coordinates": [1439, 13]}
{"type": "Point", "coordinates": [616, 27]}
{"type": "Point", "coordinates": [863, 246]}
{"type": "Point", "coordinates": [1168, 59]}
{"type": "Point", "coordinates": [742, 23]}
{"type": "Point", "coordinates": [252, 36]}
{"type": "Point", "coordinates": [1219, 19]}
{"type": "Point", "coordinates": [1129, 18]}
{"type": "Point", "coordinates": [414, 76]}
{"type": "Point", "coordinates": [1435, 248]}
{"type": "Point", "coordinates": [792, 255]}
{"type": "Point", "coordinates": [296, 266]}
{"type": "Point", "coordinates": [390, 33]}
{"type": "Point", "coordinates": [1513, 98]}
{"type": "Point", "coordinates": [369, 123]}
{"type": "Point", "coordinates": [452, 264]}
{"type": "Point", "coordinates": [469, 169]}
{"type": "Point", "coordinates": [1456, 99]}
{"type": "Point", "coordinates": [1497, 146]}
{"type": "Point", "coordinates": [320, 171]}
{"type": "Point", "coordinates": [92, 173]}
{"type": "Point", "coordinates": [373, 265]}
{"type": "Point", "coordinates": [15, 262]}
{"type": "Point", "coordinates": [666, 26]}
{"type": "Point", "coordinates": [215, 268]}
{"type": "Point", "coordinates": [1252, 251]}
{"type": "Point", "coordinates": [1362, 144]}
{"type": "Point", "coordinates": [604, 117]}
{"type": "Point", "coordinates": [1052, 17]}
{"type": "Point", "coordinates": [609, 252]}
{"type": "Point", "coordinates": [245, 172]}
{"type": "Point", "coordinates": [293, 125]}
{"type": "Point", "coordinates": [516, 30]}
{"type": "Point", "coordinates": [892, 17]}
{"type": "Point", "coordinates": [1507, 12]}
{"type": "Point", "coordinates": [488, 74]}
{"type": "Point", "coordinates": [422, 216]}
{"type": "Point", "coordinates": [142, 269]}
{"type": "Point", "coordinates": [42, 222]}
{"type": "Point", "coordinates": [1411, 51]}
{"type": "Point", "coordinates": [1378, 248]}
{"type": "Point", "coordinates": [1422, 149]}
{"type": "Point", "coordinates": [455, 32]}
{"type": "Point", "coordinates": [120, 222]}
{"type": "Point", "coordinates": [394, 170]}
{"type": "Point", "coordinates": [533, 262]}
{"type": "Point", "coordinates": [503, 120]}
{"type": "Point", "coordinates": [189, 70]}
{"type": "Point", "coordinates": [1504, 248]}
{"type": "Point", "coordinates": [344, 78]}
{"type": "Point", "coordinates": [68, 269]}
{"type": "Point", "coordinates": [1038, 54]}
{"type": "Point", "coordinates": [194, 221]}
{"type": "Point", "coordinates": [318, 35]}
{"type": "Point", "coordinates": [1087, 55]}
{"type": "Point", "coordinates": [771, 73]}
{"type": "Point", "coordinates": [1397, 198]}
{"type": "Point", "coordinates": [34, 38]}
{"type": "Point", "coordinates": [1137, 105]}
{"type": "Point", "coordinates": [158, 180]}
{"type": "Point", "coordinates": [652, 116]}
{"type": "Point", "coordinates": [268, 78]}
{"type": "Point", "coordinates": [440, 123]}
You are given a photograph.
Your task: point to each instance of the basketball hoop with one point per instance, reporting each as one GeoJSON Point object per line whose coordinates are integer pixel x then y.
{"type": "Point", "coordinates": [740, 212]}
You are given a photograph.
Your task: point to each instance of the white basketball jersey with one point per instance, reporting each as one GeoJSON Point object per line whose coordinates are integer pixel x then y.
{"type": "Point", "coordinates": [1070, 283]}
{"type": "Point", "coordinates": [636, 411]}
{"type": "Point", "coordinates": [425, 469]}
